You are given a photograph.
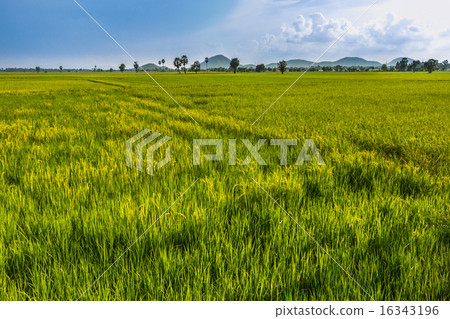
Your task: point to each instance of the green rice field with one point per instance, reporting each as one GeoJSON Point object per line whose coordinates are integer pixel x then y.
{"type": "Point", "coordinates": [69, 205]}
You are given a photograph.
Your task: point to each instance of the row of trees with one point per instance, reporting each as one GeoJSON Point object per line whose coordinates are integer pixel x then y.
{"type": "Point", "coordinates": [429, 66]}
{"type": "Point", "coordinates": [180, 64]}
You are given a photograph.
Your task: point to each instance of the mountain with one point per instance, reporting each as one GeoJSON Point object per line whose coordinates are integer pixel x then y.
{"type": "Point", "coordinates": [297, 63]}
{"type": "Point", "coordinates": [217, 61]}
{"type": "Point", "coordinates": [248, 66]}
{"type": "Point", "coordinates": [272, 65]}
{"type": "Point", "coordinates": [153, 67]}
{"type": "Point", "coordinates": [351, 61]}
{"type": "Point", "coordinates": [394, 62]}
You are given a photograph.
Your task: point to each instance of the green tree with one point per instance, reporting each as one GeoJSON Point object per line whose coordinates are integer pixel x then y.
{"type": "Point", "coordinates": [206, 62]}
{"type": "Point", "coordinates": [415, 65]}
{"type": "Point", "coordinates": [195, 67]}
{"type": "Point", "coordinates": [403, 65]}
{"type": "Point", "coordinates": [384, 68]}
{"type": "Point", "coordinates": [136, 66]}
{"type": "Point", "coordinates": [38, 69]}
{"type": "Point", "coordinates": [430, 65]}
{"type": "Point", "coordinates": [159, 63]}
{"type": "Point", "coordinates": [163, 62]}
{"type": "Point", "coordinates": [122, 67]}
{"type": "Point", "coordinates": [184, 61]}
{"type": "Point", "coordinates": [111, 70]}
{"type": "Point", "coordinates": [282, 66]}
{"type": "Point", "coordinates": [234, 64]}
{"type": "Point", "coordinates": [60, 68]}
{"type": "Point", "coordinates": [177, 64]}
{"type": "Point", "coordinates": [445, 65]}
{"type": "Point", "coordinates": [260, 68]}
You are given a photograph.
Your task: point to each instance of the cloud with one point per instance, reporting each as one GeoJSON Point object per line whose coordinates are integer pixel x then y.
{"type": "Point", "coordinates": [393, 35]}
{"type": "Point", "coordinates": [312, 34]}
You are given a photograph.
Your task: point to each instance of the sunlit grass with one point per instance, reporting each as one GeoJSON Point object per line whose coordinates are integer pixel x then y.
{"type": "Point", "coordinates": [69, 206]}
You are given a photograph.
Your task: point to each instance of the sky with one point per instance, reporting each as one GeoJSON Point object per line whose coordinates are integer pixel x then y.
{"type": "Point", "coordinates": [50, 33]}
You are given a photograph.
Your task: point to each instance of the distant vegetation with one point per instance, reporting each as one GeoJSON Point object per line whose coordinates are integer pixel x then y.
{"type": "Point", "coordinates": [220, 63]}
{"type": "Point", "coordinates": [70, 205]}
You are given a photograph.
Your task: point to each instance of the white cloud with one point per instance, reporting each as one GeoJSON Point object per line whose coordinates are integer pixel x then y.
{"type": "Point", "coordinates": [309, 36]}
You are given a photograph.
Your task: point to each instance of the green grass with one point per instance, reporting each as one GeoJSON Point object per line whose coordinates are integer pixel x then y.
{"type": "Point", "coordinates": [69, 206]}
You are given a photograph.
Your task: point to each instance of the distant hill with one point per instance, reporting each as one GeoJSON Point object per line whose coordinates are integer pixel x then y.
{"type": "Point", "coordinates": [272, 65]}
{"type": "Point", "coordinates": [153, 67]}
{"type": "Point", "coordinates": [349, 61]}
{"type": "Point", "coordinates": [394, 62]}
{"type": "Point", "coordinates": [298, 63]}
{"type": "Point", "coordinates": [217, 61]}
{"type": "Point", "coordinates": [248, 66]}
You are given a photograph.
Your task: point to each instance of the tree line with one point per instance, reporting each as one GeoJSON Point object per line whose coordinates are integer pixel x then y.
{"type": "Point", "coordinates": [181, 64]}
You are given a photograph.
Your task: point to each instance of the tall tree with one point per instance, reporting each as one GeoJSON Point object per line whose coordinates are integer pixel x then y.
{"type": "Point", "coordinates": [159, 62]}
{"type": "Point", "coordinates": [430, 65]}
{"type": "Point", "coordinates": [260, 68]}
{"type": "Point", "coordinates": [415, 65]}
{"type": "Point", "coordinates": [403, 64]}
{"type": "Point", "coordinates": [184, 61]}
{"type": "Point", "coordinates": [60, 68]}
{"type": "Point", "coordinates": [136, 66]}
{"type": "Point", "coordinates": [234, 64]}
{"type": "Point", "coordinates": [384, 68]}
{"type": "Point", "coordinates": [38, 69]}
{"type": "Point", "coordinates": [163, 61]}
{"type": "Point", "coordinates": [177, 64]}
{"type": "Point", "coordinates": [195, 67]}
{"type": "Point", "coordinates": [122, 67]}
{"type": "Point", "coordinates": [282, 66]}
{"type": "Point", "coordinates": [206, 62]}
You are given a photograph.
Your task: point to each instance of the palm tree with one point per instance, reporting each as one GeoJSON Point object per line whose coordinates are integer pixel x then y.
{"type": "Point", "coordinates": [184, 61]}
{"type": "Point", "coordinates": [136, 66]}
{"type": "Point", "coordinates": [159, 62]}
{"type": "Point", "coordinates": [177, 63]}
{"type": "Point", "coordinates": [234, 64]}
{"type": "Point", "coordinates": [206, 61]}
{"type": "Point", "coordinates": [163, 61]}
{"type": "Point", "coordinates": [60, 68]}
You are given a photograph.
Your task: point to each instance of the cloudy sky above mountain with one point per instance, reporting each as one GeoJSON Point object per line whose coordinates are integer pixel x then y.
{"type": "Point", "coordinates": [50, 33]}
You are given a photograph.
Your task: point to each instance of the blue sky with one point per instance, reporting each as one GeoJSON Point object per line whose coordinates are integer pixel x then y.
{"type": "Point", "coordinates": [50, 33]}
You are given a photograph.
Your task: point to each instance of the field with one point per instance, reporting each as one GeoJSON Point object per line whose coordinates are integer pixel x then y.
{"type": "Point", "coordinates": [69, 205]}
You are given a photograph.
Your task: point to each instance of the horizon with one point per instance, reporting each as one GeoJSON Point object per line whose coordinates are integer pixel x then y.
{"type": "Point", "coordinates": [170, 66]}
